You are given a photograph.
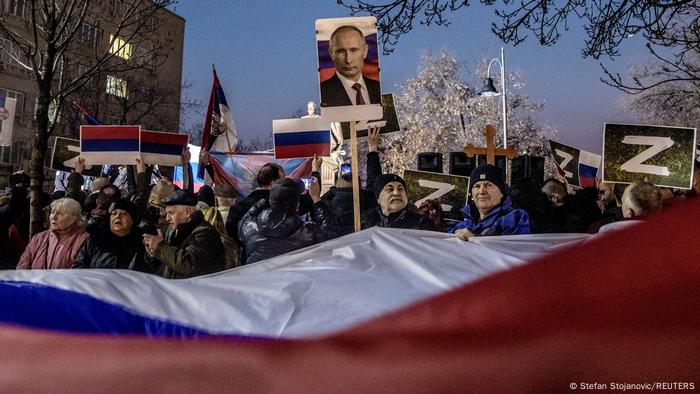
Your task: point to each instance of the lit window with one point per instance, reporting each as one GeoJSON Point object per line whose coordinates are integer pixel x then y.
{"type": "Point", "coordinates": [120, 47]}
{"type": "Point", "coordinates": [116, 86]}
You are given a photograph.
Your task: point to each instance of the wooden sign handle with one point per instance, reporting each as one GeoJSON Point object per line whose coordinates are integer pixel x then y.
{"type": "Point", "coordinates": [355, 175]}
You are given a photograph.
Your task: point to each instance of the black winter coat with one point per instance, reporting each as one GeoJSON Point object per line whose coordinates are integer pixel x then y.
{"type": "Point", "coordinates": [408, 217]}
{"type": "Point", "coordinates": [110, 251]}
{"type": "Point", "coordinates": [339, 205]}
{"type": "Point", "coordinates": [240, 208]}
{"type": "Point", "coordinates": [267, 232]}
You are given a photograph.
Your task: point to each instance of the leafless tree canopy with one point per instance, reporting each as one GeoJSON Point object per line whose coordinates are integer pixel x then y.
{"type": "Point", "coordinates": [607, 23]}
{"type": "Point", "coordinates": [671, 29]}
{"type": "Point", "coordinates": [62, 45]}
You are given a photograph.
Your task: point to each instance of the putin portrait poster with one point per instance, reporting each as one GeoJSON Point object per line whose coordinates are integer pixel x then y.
{"type": "Point", "coordinates": [348, 69]}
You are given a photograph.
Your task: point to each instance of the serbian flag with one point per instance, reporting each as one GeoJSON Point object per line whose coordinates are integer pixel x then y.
{"type": "Point", "coordinates": [306, 137]}
{"type": "Point", "coordinates": [85, 115]}
{"type": "Point", "coordinates": [219, 133]}
{"type": "Point", "coordinates": [162, 148]}
{"type": "Point", "coordinates": [588, 164]}
{"type": "Point", "coordinates": [105, 144]}
{"type": "Point", "coordinates": [240, 169]}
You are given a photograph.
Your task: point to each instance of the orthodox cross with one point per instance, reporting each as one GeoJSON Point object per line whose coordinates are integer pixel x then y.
{"type": "Point", "coordinates": [490, 151]}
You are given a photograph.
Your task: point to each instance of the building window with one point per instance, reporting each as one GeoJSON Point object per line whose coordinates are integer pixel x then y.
{"type": "Point", "coordinates": [115, 8]}
{"type": "Point", "coordinates": [18, 152]}
{"type": "Point", "coordinates": [116, 86]}
{"type": "Point", "coordinates": [89, 35]}
{"type": "Point", "coordinates": [7, 47]}
{"type": "Point", "coordinates": [19, 8]}
{"type": "Point", "coordinates": [151, 23]}
{"type": "Point", "coordinates": [19, 107]}
{"type": "Point", "coordinates": [143, 94]}
{"type": "Point", "coordinates": [120, 47]}
{"type": "Point", "coordinates": [143, 57]}
{"type": "Point", "coordinates": [112, 119]}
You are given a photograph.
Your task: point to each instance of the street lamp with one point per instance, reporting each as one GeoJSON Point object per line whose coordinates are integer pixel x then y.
{"type": "Point", "coordinates": [490, 91]}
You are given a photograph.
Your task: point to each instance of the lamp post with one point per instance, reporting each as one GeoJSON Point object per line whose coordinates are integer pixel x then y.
{"type": "Point", "coordinates": [490, 91]}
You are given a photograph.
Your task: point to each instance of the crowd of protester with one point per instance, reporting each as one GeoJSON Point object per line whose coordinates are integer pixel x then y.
{"type": "Point", "coordinates": [132, 220]}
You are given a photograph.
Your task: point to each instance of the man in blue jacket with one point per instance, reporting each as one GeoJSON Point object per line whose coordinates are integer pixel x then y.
{"type": "Point", "coordinates": [489, 210]}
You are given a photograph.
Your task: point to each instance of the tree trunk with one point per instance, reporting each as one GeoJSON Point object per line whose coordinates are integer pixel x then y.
{"type": "Point", "coordinates": [40, 146]}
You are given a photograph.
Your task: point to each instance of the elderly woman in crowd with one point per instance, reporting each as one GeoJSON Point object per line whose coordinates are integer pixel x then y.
{"type": "Point", "coordinates": [57, 246]}
{"type": "Point", "coordinates": [118, 244]}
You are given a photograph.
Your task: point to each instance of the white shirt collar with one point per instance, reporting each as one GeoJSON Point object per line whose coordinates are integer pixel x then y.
{"type": "Point", "coordinates": [352, 93]}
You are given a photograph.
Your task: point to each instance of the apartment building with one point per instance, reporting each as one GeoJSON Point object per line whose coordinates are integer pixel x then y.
{"type": "Point", "coordinates": [148, 95]}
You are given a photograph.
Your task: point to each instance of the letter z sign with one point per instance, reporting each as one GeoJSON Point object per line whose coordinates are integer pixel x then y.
{"type": "Point", "coordinates": [450, 190]}
{"type": "Point", "coordinates": [663, 155]}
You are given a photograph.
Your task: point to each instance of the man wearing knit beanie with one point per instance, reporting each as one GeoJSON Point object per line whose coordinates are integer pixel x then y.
{"type": "Point", "coordinates": [489, 210]}
{"type": "Point", "coordinates": [390, 190]}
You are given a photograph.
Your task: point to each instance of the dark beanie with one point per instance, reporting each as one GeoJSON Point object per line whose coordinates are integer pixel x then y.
{"type": "Point", "coordinates": [285, 194]}
{"type": "Point", "coordinates": [206, 194]}
{"type": "Point", "coordinates": [127, 206]}
{"type": "Point", "coordinates": [224, 190]}
{"type": "Point", "coordinates": [383, 179]}
{"type": "Point", "coordinates": [488, 172]}
{"type": "Point", "coordinates": [180, 197]}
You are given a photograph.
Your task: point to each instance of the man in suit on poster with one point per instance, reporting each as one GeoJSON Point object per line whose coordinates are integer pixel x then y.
{"type": "Point", "coordinates": [348, 50]}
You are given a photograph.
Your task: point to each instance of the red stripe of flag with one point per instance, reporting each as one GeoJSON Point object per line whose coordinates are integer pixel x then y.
{"type": "Point", "coordinates": [308, 150]}
{"type": "Point", "coordinates": [109, 132]}
{"type": "Point", "coordinates": [159, 137]}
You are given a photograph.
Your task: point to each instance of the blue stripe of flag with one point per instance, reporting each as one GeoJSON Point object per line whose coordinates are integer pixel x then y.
{"type": "Point", "coordinates": [56, 309]}
{"type": "Point", "coordinates": [587, 171]}
{"type": "Point", "coordinates": [166, 149]}
{"type": "Point", "coordinates": [120, 145]}
{"type": "Point", "coordinates": [303, 138]}
{"type": "Point", "coordinates": [91, 120]}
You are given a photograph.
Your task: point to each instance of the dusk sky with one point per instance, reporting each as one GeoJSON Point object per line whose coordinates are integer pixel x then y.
{"type": "Point", "coordinates": [265, 56]}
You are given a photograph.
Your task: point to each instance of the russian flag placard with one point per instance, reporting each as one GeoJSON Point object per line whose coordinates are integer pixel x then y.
{"type": "Point", "coordinates": [158, 147]}
{"type": "Point", "coordinates": [108, 144]}
{"type": "Point", "coordinates": [588, 164]}
{"type": "Point", "coordinates": [297, 138]}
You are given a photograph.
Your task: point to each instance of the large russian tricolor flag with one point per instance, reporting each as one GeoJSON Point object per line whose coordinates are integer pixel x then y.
{"type": "Point", "coordinates": [162, 148]}
{"type": "Point", "coordinates": [488, 315]}
{"type": "Point", "coordinates": [240, 169]}
{"type": "Point", "coordinates": [298, 138]}
{"type": "Point", "coordinates": [588, 164]}
{"type": "Point", "coordinates": [107, 144]}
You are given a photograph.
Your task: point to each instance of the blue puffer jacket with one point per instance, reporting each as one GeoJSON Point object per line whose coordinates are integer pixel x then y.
{"type": "Point", "coordinates": [502, 220]}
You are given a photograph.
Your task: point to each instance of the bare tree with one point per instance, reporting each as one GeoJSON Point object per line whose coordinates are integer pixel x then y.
{"type": "Point", "coordinates": [671, 29]}
{"type": "Point", "coordinates": [257, 143]}
{"type": "Point", "coordinates": [65, 49]}
{"type": "Point", "coordinates": [441, 111]}
{"type": "Point", "coordinates": [194, 130]}
{"type": "Point", "coordinates": [675, 102]}
{"type": "Point", "coordinates": [607, 23]}
{"type": "Point", "coordinates": [672, 78]}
